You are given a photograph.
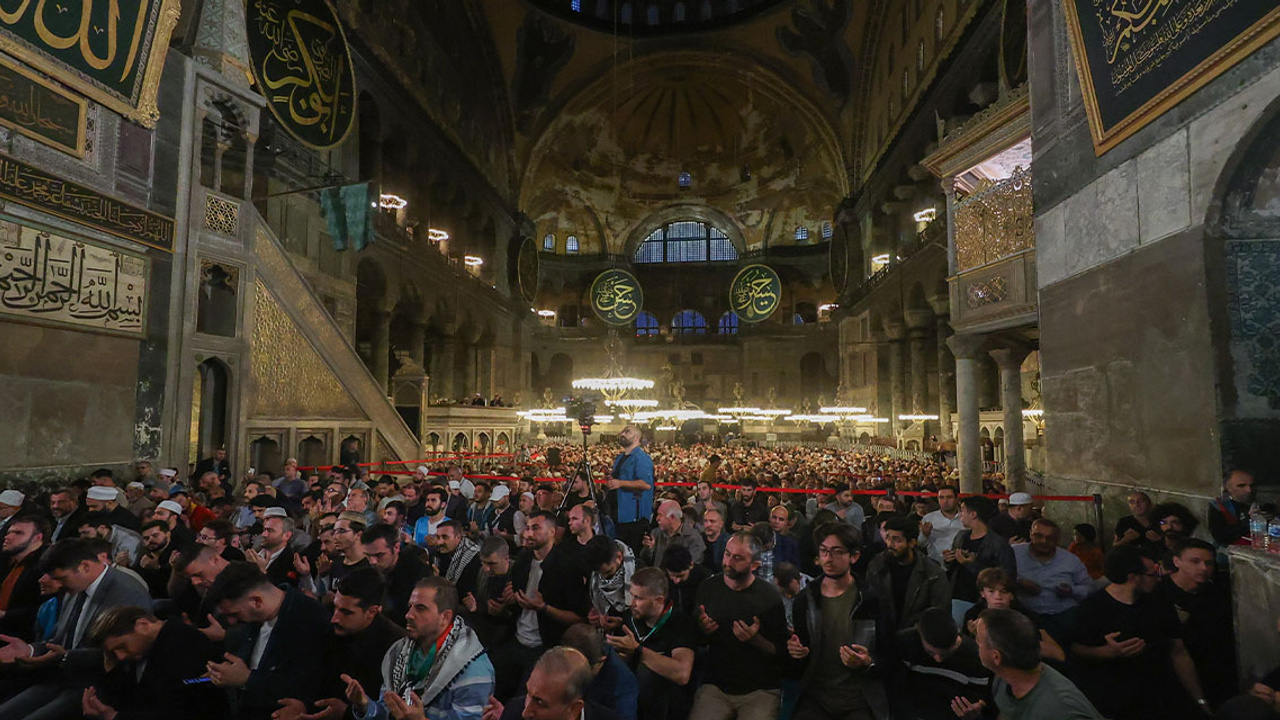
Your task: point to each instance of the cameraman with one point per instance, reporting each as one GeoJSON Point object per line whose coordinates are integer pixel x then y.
{"type": "Point", "coordinates": [631, 480]}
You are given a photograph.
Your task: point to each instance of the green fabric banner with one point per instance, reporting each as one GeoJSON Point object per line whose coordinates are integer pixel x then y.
{"type": "Point", "coordinates": [348, 211]}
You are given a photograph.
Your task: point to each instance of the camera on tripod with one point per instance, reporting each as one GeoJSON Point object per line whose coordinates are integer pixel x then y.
{"type": "Point", "coordinates": [582, 409]}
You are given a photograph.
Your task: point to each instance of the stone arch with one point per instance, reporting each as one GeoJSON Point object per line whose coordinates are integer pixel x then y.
{"type": "Point", "coordinates": [210, 417]}
{"type": "Point", "coordinates": [1242, 258]}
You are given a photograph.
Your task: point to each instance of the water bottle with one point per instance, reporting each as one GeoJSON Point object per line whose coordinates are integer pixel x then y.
{"type": "Point", "coordinates": [1258, 531]}
{"type": "Point", "coordinates": [1273, 536]}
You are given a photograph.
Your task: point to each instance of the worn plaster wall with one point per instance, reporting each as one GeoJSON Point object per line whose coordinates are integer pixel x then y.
{"type": "Point", "coordinates": [1128, 356]}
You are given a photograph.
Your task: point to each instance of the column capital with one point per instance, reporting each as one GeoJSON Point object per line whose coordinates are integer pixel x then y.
{"type": "Point", "coordinates": [941, 305]}
{"type": "Point", "coordinates": [918, 320]}
{"type": "Point", "coordinates": [1011, 355]}
{"type": "Point", "coordinates": [894, 330]}
{"type": "Point", "coordinates": [969, 347]}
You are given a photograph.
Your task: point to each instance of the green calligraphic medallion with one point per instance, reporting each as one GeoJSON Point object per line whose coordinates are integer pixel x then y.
{"type": "Point", "coordinates": [302, 65]}
{"type": "Point", "coordinates": [755, 293]}
{"type": "Point", "coordinates": [616, 297]}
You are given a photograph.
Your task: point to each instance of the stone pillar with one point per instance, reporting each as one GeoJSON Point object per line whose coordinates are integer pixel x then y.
{"type": "Point", "coordinates": [949, 189]}
{"type": "Point", "coordinates": [897, 377]}
{"type": "Point", "coordinates": [946, 383]}
{"type": "Point", "coordinates": [380, 348]}
{"type": "Point", "coordinates": [1009, 361]}
{"type": "Point", "coordinates": [968, 351]}
{"type": "Point", "coordinates": [918, 321]}
{"type": "Point", "coordinates": [444, 359]}
{"type": "Point", "coordinates": [417, 342]}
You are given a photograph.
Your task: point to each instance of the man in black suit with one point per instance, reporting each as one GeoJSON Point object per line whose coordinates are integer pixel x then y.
{"type": "Point", "coordinates": [64, 666]}
{"type": "Point", "coordinates": [277, 555]}
{"type": "Point", "coordinates": [401, 567]}
{"type": "Point", "coordinates": [284, 651]}
{"type": "Point", "coordinates": [216, 464]}
{"type": "Point", "coordinates": [20, 573]}
{"type": "Point", "coordinates": [154, 565]}
{"type": "Point", "coordinates": [67, 514]}
{"type": "Point", "coordinates": [363, 635]}
{"type": "Point", "coordinates": [149, 661]}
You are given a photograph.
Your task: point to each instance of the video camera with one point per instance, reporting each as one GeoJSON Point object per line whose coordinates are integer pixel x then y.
{"type": "Point", "coordinates": [582, 409]}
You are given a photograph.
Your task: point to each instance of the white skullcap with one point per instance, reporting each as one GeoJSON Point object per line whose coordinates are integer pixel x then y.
{"type": "Point", "coordinates": [171, 506]}
{"type": "Point", "coordinates": [527, 495]}
{"type": "Point", "coordinates": [274, 512]}
{"type": "Point", "coordinates": [12, 498]}
{"type": "Point", "coordinates": [423, 469]}
{"type": "Point", "coordinates": [136, 484]}
{"type": "Point", "coordinates": [168, 472]}
{"type": "Point", "coordinates": [455, 485]}
{"type": "Point", "coordinates": [500, 492]}
{"type": "Point", "coordinates": [99, 492]}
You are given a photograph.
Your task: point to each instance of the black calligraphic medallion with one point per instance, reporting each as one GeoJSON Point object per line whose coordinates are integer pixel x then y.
{"type": "Point", "coordinates": [755, 293]}
{"type": "Point", "coordinates": [1139, 59]}
{"type": "Point", "coordinates": [616, 297]}
{"type": "Point", "coordinates": [41, 110]}
{"type": "Point", "coordinates": [302, 65]}
{"type": "Point", "coordinates": [527, 269]}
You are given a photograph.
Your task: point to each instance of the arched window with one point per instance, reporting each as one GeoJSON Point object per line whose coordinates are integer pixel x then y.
{"type": "Point", "coordinates": [728, 323]}
{"type": "Point", "coordinates": [679, 12]}
{"type": "Point", "coordinates": [646, 324]}
{"type": "Point", "coordinates": [571, 244]}
{"type": "Point", "coordinates": [686, 180]}
{"type": "Point", "coordinates": [686, 241]}
{"type": "Point", "coordinates": [802, 233]}
{"type": "Point", "coordinates": [654, 15]}
{"type": "Point", "coordinates": [826, 231]}
{"type": "Point", "coordinates": [624, 15]}
{"type": "Point", "coordinates": [706, 9]}
{"type": "Point", "coordinates": [575, 5]}
{"type": "Point", "coordinates": [549, 242]}
{"type": "Point", "coordinates": [938, 24]}
{"type": "Point", "coordinates": [689, 322]}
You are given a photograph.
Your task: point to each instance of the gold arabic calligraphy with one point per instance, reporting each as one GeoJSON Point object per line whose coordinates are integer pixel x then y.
{"type": "Point", "coordinates": [303, 72]}
{"type": "Point", "coordinates": [89, 27]}
{"type": "Point", "coordinates": [615, 297]}
{"type": "Point", "coordinates": [755, 294]}
{"type": "Point", "coordinates": [1140, 36]}
{"type": "Point", "coordinates": [44, 276]}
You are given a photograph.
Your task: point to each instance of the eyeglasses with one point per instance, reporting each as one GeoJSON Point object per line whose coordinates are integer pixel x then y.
{"type": "Point", "coordinates": [832, 552]}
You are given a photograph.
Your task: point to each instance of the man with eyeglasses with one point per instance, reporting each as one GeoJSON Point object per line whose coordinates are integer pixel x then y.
{"type": "Point", "coordinates": [1129, 648]}
{"type": "Point", "coordinates": [835, 632]}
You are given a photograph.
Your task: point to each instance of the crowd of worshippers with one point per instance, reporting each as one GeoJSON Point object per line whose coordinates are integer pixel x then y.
{"type": "Point", "coordinates": [456, 598]}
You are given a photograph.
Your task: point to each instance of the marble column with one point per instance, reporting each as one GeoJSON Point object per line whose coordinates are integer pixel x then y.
{"type": "Point", "coordinates": [444, 359]}
{"type": "Point", "coordinates": [380, 348]}
{"type": "Point", "coordinates": [918, 345]}
{"type": "Point", "coordinates": [946, 383]}
{"type": "Point", "coordinates": [949, 189]}
{"type": "Point", "coordinates": [897, 377]}
{"type": "Point", "coordinates": [417, 342]}
{"type": "Point", "coordinates": [1009, 360]}
{"type": "Point", "coordinates": [968, 350]}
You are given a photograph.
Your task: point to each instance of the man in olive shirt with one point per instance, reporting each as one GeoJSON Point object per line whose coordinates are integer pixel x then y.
{"type": "Point", "coordinates": [743, 621]}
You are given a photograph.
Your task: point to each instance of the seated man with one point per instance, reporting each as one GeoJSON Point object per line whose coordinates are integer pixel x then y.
{"type": "Point", "coordinates": [554, 691]}
{"type": "Point", "coordinates": [283, 654]}
{"type": "Point", "coordinates": [612, 685]}
{"type": "Point", "coordinates": [93, 587]}
{"type": "Point", "coordinates": [657, 640]}
{"type": "Point", "coordinates": [440, 670]}
{"type": "Point", "coordinates": [1024, 687]}
{"type": "Point", "coordinates": [363, 636]}
{"type": "Point", "coordinates": [150, 663]}
{"type": "Point", "coordinates": [939, 665]}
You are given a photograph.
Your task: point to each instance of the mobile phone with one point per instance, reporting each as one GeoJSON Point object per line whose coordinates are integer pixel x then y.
{"type": "Point", "coordinates": [197, 681]}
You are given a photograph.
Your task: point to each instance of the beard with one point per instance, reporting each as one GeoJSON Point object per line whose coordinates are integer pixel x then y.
{"type": "Point", "coordinates": [736, 575]}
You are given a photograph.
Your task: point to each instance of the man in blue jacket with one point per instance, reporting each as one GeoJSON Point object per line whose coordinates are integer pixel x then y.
{"type": "Point", "coordinates": [631, 481]}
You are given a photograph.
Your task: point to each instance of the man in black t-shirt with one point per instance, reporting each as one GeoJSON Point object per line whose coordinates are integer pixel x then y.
{"type": "Point", "coordinates": [751, 509]}
{"type": "Point", "coordinates": [657, 640]}
{"type": "Point", "coordinates": [1204, 609]}
{"type": "Point", "coordinates": [1138, 527]}
{"type": "Point", "coordinates": [742, 619]}
{"type": "Point", "coordinates": [1129, 646]}
{"type": "Point", "coordinates": [684, 578]}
